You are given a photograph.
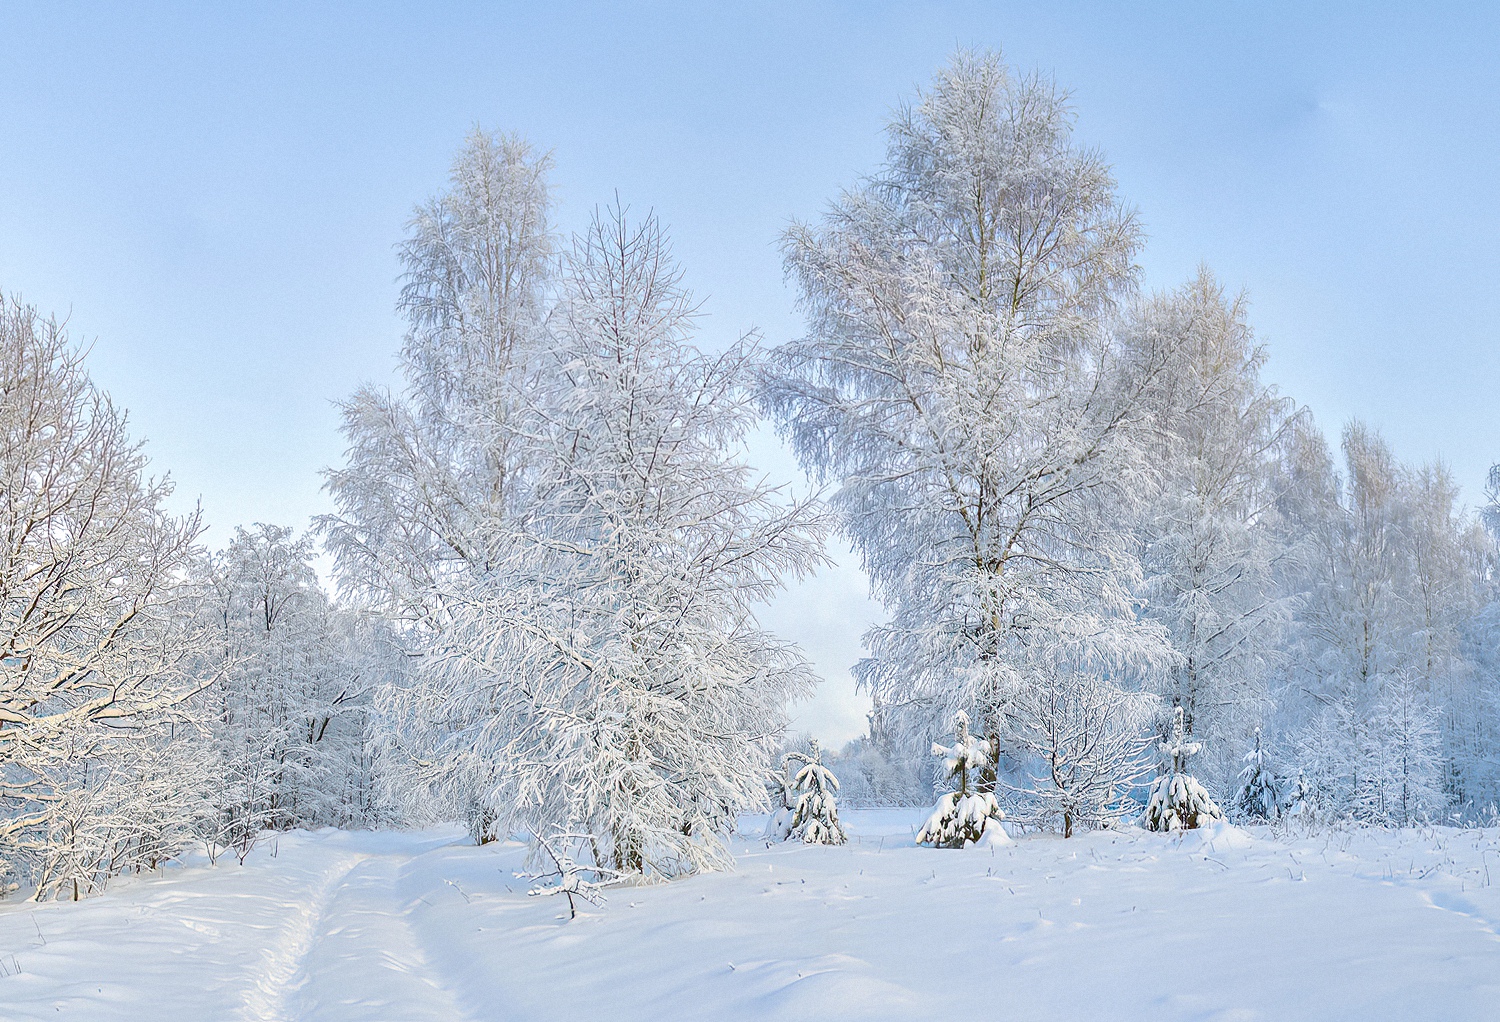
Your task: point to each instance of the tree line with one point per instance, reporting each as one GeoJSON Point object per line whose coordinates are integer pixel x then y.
{"type": "Point", "coordinates": [1088, 517]}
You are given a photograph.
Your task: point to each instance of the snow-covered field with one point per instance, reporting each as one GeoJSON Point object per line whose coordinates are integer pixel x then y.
{"type": "Point", "coordinates": [391, 927]}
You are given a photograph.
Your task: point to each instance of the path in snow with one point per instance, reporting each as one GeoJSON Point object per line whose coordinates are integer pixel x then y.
{"type": "Point", "coordinates": [360, 927]}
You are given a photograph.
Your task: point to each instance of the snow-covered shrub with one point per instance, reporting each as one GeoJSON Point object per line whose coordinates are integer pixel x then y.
{"type": "Point", "coordinates": [1300, 804]}
{"type": "Point", "coordinates": [573, 880]}
{"type": "Point", "coordinates": [1178, 801]}
{"type": "Point", "coordinates": [816, 817]}
{"type": "Point", "coordinates": [1258, 793]}
{"type": "Point", "coordinates": [1083, 745]}
{"type": "Point", "coordinates": [783, 794]}
{"type": "Point", "coordinates": [963, 815]}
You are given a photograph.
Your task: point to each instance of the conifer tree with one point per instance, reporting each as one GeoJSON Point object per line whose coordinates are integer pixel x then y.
{"type": "Point", "coordinates": [1257, 796]}
{"type": "Point", "coordinates": [965, 814]}
{"type": "Point", "coordinates": [1178, 801]}
{"type": "Point", "coordinates": [783, 793]}
{"type": "Point", "coordinates": [816, 817]}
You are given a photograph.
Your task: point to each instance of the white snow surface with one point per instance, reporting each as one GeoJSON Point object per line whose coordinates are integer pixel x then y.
{"type": "Point", "coordinates": [414, 926]}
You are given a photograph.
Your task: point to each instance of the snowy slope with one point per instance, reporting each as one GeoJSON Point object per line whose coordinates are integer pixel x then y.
{"type": "Point", "coordinates": [346, 926]}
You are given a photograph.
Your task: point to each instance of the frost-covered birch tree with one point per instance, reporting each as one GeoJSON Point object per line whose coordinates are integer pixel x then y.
{"type": "Point", "coordinates": [428, 470]}
{"type": "Point", "coordinates": [1210, 532]}
{"type": "Point", "coordinates": [1387, 592]}
{"type": "Point", "coordinates": [608, 666]}
{"type": "Point", "coordinates": [963, 386]}
{"type": "Point", "coordinates": [95, 645]}
{"type": "Point", "coordinates": [432, 475]}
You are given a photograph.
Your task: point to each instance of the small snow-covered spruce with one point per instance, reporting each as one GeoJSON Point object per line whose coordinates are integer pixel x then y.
{"type": "Point", "coordinates": [1178, 801]}
{"type": "Point", "coordinates": [963, 815]}
{"type": "Point", "coordinates": [1300, 800]}
{"type": "Point", "coordinates": [816, 817]}
{"type": "Point", "coordinates": [1257, 796]}
{"type": "Point", "coordinates": [567, 877]}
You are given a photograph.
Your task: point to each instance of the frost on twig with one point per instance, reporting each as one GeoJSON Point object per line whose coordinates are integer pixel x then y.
{"type": "Point", "coordinates": [567, 877]}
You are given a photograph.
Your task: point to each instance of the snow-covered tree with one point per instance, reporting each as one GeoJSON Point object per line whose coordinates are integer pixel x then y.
{"type": "Point", "coordinates": [1474, 727]}
{"type": "Point", "coordinates": [965, 814]}
{"type": "Point", "coordinates": [95, 640]}
{"type": "Point", "coordinates": [432, 475]}
{"type": "Point", "coordinates": [1209, 531]}
{"type": "Point", "coordinates": [1081, 742]}
{"type": "Point", "coordinates": [1402, 757]}
{"type": "Point", "coordinates": [816, 816]}
{"type": "Point", "coordinates": [962, 384]}
{"type": "Point", "coordinates": [427, 471]}
{"type": "Point", "coordinates": [1178, 801]}
{"type": "Point", "coordinates": [1382, 690]}
{"type": "Point", "coordinates": [872, 774]}
{"type": "Point", "coordinates": [783, 796]}
{"type": "Point", "coordinates": [288, 717]}
{"type": "Point", "coordinates": [1449, 557]}
{"type": "Point", "coordinates": [1257, 794]}
{"type": "Point", "coordinates": [607, 670]}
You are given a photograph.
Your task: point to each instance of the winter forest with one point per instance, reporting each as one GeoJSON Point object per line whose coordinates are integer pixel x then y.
{"type": "Point", "coordinates": [1139, 582]}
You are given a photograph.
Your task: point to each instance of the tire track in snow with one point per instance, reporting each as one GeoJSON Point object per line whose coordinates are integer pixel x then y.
{"type": "Point", "coordinates": [267, 998]}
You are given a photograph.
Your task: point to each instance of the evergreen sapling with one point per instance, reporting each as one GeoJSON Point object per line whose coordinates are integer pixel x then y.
{"type": "Point", "coordinates": [816, 817]}
{"type": "Point", "coordinates": [1178, 801]}
{"type": "Point", "coordinates": [784, 799]}
{"type": "Point", "coordinates": [1257, 796]}
{"type": "Point", "coordinates": [965, 815]}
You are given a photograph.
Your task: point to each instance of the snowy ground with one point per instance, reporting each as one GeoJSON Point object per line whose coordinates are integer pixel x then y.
{"type": "Point", "coordinates": [394, 927]}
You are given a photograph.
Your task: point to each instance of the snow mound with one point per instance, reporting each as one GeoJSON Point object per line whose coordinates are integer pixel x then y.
{"type": "Point", "coordinates": [1221, 836]}
{"type": "Point", "coordinates": [995, 836]}
{"type": "Point", "coordinates": [826, 988]}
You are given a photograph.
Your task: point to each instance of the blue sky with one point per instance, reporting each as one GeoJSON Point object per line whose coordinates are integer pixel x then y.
{"type": "Point", "coordinates": [212, 193]}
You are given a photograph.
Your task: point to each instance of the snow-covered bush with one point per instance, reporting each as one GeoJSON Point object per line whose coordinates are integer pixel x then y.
{"type": "Point", "coordinates": [816, 817]}
{"type": "Point", "coordinates": [1301, 802]}
{"type": "Point", "coordinates": [573, 880]}
{"type": "Point", "coordinates": [963, 815]}
{"type": "Point", "coordinates": [783, 794]}
{"type": "Point", "coordinates": [1081, 740]}
{"type": "Point", "coordinates": [1178, 801]}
